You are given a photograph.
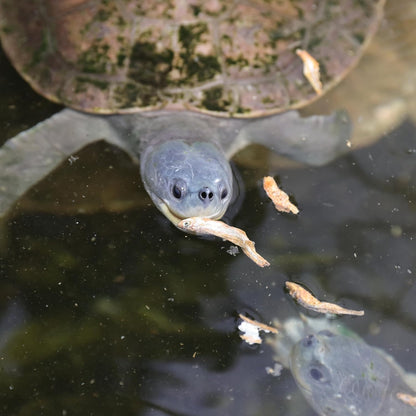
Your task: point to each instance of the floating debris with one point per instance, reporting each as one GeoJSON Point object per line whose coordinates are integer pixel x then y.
{"type": "Point", "coordinates": [72, 159]}
{"type": "Point", "coordinates": [407, 398]}
{"type": "Point", "coordinates": [206, 226]}
{"type": "Point", "coordinates": [250, 334]}
{"type": "Point", "coordinates": [275, 371]}
{"type": "Point", "coordinates": [251, 330]}
{"type": "Point", "coordinates": [304, 298]}
{"type": "Point", "coordinates": [310, 70]}
{"type": "Point", "coordinates": [233, 250]}
{"type": "Point", "coordinates": [279, 197]}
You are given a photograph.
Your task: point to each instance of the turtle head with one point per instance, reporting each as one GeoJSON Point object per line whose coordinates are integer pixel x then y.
{"type": "Point", "coordinates": [187, 179]}
{"type": "Point", "coordinates": [340, 374]}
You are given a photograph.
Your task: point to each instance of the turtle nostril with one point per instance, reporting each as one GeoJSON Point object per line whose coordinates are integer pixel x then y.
{"type": "Point", "coordinates": [206, 194]}
{"type": "Point", "coordinates": [308, 341]}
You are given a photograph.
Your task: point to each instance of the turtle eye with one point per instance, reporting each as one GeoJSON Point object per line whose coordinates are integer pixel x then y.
{"type": "Point", "coordinates": [316, 374]}
{"type": "Point", "coordinates": [224, 193]}
{"type": "Point", "coordinates": [320, 373]}
{"type": "Point", "coordinates": [179, 189]}
{"type": "Point", "coordinates": [177, 192]}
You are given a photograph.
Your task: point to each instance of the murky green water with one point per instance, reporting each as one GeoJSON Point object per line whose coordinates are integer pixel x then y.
{"type": "Point", "coordinates": [106, 309]}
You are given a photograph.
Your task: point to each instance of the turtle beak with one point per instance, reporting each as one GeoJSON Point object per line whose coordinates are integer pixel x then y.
{"type": "Point", "coordinates": [175, 218]}
{"type": "Point", "coordinates": [169, 214]}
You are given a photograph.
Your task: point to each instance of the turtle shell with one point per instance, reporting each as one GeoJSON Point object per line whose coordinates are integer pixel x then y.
{"type": "Point", "coordinates": [217, 56]}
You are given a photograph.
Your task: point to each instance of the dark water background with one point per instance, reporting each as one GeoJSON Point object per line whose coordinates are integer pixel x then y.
{"type": "Point", "coordinates": [107, 309]}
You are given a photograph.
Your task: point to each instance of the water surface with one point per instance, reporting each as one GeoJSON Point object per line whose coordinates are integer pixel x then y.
{"type": "Point", "coordinates": [106, 309]}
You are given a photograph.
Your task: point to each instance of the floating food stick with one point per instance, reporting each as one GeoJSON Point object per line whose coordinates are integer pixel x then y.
{"type": "Point", "coordinates": [251, 328]}
{"type": "Point", "coordinates": [201, 226]}
{"type": "Point", "coordinates": [407, 398]}
{"type": "Point", "coordinates": [261, 326]}
{"type": "Point", "coordinates": [303, 297]}
{"type": "Point", "coordinates": [310, 70]}
{"type": "Point", "coordinates": [279, 197]}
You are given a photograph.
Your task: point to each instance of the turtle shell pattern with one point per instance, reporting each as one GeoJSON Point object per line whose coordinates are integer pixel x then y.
{"type": "Point", "coordinates": [221, 57]}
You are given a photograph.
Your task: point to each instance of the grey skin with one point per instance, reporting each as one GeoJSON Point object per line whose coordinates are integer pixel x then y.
{"type": "Point", "coordinates": [339, 374]}
{"type": "Point", "coordinates": [184, 156]}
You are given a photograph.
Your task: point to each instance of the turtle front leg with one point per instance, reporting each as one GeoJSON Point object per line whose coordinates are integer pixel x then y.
{"type": "Point", "coordinates": [315, 140]}
{"type": "Point", "coordinates": [31, 155]}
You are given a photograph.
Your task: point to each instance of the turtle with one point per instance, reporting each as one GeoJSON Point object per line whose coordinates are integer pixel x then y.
{"type": "Point", "coordinates": [180, 86]}
{"type": "Point", "coordinates": [386, 73]}
{"type": "Point", "coordinates": [339, 373]}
